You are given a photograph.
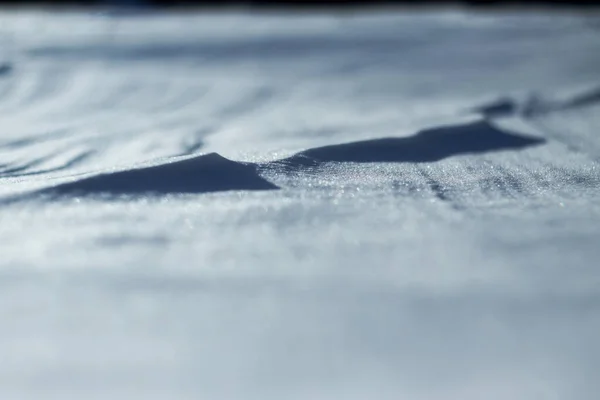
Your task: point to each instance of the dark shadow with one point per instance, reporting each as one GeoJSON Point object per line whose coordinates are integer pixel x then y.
{"type": "Point", "coordinates": [27, 169]}
{"type": "Point", "coordinates": [202, 174]}
{"type": "Point", "coordinates": [534, 105]}
{"type": "Point", "coordinates": [499, 108]}
{"type": "Point", "coordinates": [584, 99]}
{"type": "Point", "coordinates": [426, 146]}
{"type": "Point", "coordinates": [192, 148]}
{"type": "Point", "coordinates": [5, 69]}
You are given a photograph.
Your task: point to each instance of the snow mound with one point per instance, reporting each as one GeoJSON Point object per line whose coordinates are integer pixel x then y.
{"type": "Point", "coordinates": [428, 145]}
{"type": "Point", "coordinates": [205, 173]}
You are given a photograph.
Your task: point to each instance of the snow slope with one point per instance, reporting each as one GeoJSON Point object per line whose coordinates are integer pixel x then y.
{"type": "Point", "coordinates": [378, 205]}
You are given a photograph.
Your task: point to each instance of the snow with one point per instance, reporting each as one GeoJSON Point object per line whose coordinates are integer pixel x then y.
{"type": "Point", "coordinates": [391, 205]}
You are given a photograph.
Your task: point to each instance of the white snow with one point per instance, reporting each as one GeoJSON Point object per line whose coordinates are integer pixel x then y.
{"type": "Point", "coordinates": [474, 276]}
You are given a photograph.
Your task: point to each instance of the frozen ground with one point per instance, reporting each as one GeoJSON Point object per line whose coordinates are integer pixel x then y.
{"type": "Point", "coordinates": [263, 206]}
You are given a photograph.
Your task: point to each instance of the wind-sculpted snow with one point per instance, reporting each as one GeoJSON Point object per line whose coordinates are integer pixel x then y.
{"type": "Point", "coordinates": [583, 100]}
{"type": "Point", "coordinates": [201, 174]}
{"type": "Point", "coordinates": [389, 205]}
{"type": "Point", "coordinates": [534, 106]}
{"type": "Point", "coordinates": [425, 146]}
{"type": "Point", "coordinates": [213, 173]}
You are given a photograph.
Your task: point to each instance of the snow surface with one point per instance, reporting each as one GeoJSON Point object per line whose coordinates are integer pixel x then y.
{"type": "Point", "coordinates": [382, 205]}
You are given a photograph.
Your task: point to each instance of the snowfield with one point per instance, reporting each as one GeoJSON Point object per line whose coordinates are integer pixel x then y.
{"type": "Point", "coordinates": [373, 205]}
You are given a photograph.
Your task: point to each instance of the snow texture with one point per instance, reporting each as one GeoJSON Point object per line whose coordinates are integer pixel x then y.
{"type": "Point", "coordinates": [377, 205]}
